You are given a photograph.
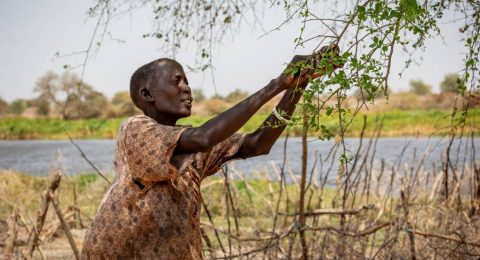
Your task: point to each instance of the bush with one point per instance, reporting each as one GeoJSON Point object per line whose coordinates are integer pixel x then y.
{"type": "Point", "coordinates": [450, 83]}
{"type": "Point", "coordinates": [122, 105]}
{"type": "Point", "coordinates": [236, 96]}
{"type": "Point", "coordinates": [215, 106]}
{"type": "Point", "coordinates": [3, 106]}
{"type": "Point", "coordinates": [17, 107]}
{"type": "Point", "coordinates": [420, 88]}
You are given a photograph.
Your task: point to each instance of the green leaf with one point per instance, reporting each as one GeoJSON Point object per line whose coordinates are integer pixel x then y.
{"type": "Point", "coordinates": [410, 9]}
{"type": "Point", "coordinates": [227, 20]}
{"type": "Point", "coordinates": [329, 111]}
{"type": "Point", "coordinates": [361, 12]}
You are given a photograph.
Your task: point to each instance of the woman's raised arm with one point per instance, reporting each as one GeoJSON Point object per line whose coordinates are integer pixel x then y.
{"type": "Point", "coordinates": [217, 129]}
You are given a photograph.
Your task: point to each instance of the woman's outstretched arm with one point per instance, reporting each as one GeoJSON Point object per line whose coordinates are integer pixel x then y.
{"type": "Point", "coordinates": [217, 129]}
{"type": "Point", "coordinates": [261, 141]}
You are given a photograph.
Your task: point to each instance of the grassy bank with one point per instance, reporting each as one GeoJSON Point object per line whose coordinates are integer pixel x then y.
{"type": "Point", "coordinates": [396, 123]}
{"type": "Point", "coordinates": [258, 217]}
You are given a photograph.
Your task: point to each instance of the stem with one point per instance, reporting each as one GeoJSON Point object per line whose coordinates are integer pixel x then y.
{"type": "Point", "coordinates": [301, 218]}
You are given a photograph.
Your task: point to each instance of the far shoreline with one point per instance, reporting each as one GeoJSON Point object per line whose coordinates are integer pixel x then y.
{"type": "Point", "coordinates": [397, 123]}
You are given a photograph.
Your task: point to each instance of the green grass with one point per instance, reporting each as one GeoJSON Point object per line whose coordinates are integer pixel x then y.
{"type": "Point", "coordinates": [397, 123]}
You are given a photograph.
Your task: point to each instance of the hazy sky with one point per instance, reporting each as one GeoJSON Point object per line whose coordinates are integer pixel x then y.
{"type": "Point", "coordinates": [33, 31]}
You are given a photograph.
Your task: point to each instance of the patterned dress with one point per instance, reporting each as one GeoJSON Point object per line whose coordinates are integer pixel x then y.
{"type": "Point", "coordinates": [152, 209]}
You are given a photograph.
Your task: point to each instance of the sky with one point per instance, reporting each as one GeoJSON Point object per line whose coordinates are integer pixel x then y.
{"type": "Point", "coordinates": [33, 31]}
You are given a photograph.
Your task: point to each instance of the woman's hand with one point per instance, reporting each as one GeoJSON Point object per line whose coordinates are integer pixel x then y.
{"type": "Point", "coordinates": [304, 67]}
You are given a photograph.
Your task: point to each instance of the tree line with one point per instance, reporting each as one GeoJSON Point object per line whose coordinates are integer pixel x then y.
{"type": "Point", "coordinates": [66, 96]}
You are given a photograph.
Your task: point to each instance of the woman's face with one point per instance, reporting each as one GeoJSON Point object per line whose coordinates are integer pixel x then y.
{"type": "Point", "coordinates": [170, 90]}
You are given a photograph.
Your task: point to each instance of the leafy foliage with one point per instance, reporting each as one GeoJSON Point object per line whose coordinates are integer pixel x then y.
{"type": "Point", "coordinates": [368, 32]}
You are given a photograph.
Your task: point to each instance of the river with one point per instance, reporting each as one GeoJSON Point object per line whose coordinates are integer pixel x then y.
{"type": "Point", "coordinates": [35, 157]}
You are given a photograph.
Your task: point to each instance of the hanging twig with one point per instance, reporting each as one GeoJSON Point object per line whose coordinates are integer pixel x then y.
{"type": "Point", "coordinates": [89, 162]}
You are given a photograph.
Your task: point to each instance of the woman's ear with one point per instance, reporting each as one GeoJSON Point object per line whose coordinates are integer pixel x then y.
{"type": "Point", "coordinates": [145, 94]}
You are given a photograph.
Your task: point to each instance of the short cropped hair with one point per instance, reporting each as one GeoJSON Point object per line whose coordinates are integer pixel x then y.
{"type": "Point", "coordinates": [143, 76]}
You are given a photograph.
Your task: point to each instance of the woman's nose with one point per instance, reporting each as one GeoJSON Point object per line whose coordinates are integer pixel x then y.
{"type": "Point", "coordinates": [185, 88]}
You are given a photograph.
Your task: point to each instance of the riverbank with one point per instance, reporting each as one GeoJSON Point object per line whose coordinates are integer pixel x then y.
{"type": "Point", "coordinates": [396, 123]}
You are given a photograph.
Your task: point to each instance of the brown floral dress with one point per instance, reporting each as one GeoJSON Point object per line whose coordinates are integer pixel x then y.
{"type": "Point", "coordinates": [152, 209]}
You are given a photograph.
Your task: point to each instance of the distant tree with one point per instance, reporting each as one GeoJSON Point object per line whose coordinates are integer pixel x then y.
{"type": "Point", "coordinates": [17, 107]}
{"type": "Point", "coordinates": [198, 95]}
{"type": "Point", "coordinates": [420, 88]}
{"type": "Point", "coordinates": [70, 100]}
{"type": "Point", "coordinates": [236, 96]}
{"type": "Point", "coordinates": [123, 104]}
{"type": "Point", "coordinates": [43, 107]}
{"type": "Point", "coordinates": [88, 103]}
{"type": "Point", "coordinates": [450, 83]}
{"type": "Point", "coordinates": [3, 106]}
{"type": "Point", "coordinates": [217, 96]}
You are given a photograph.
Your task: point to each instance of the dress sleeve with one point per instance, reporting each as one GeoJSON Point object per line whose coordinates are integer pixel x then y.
{"type": "Point", "coordinates": [210, 162]}
{"type": "Point", "coordinates": [149, 147]}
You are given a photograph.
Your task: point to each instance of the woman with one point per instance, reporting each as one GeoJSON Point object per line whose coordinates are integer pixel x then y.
{"type": "Point", "coordinates": [152, 209]}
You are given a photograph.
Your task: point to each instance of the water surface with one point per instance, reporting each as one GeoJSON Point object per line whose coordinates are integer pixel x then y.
{"type": "Point", "coordinates": [35, 157]}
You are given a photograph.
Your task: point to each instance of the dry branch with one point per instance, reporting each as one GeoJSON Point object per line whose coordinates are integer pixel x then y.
{"type": "Point", "coordinates": [366, 232]}
{"type": "Point", "coordinates": [65, 226]}
{"type": "Point", "coordinates": [35, 233]}
{"type": "Point", "coordinates": [446, 237]}
{"type": "Point", "coordinates": [17, 243]}
{"type": "Point", "coordinates": [333, 211]}
{"type": "Point", "coordinates": [12, 235]}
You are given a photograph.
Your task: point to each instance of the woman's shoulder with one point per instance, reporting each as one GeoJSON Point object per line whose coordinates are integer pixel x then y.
{"type": "Point", "coordinates": [146, 123]}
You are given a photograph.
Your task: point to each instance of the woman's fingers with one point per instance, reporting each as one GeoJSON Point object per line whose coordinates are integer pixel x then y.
{"type": "Point", "coordinates": [305, 67]}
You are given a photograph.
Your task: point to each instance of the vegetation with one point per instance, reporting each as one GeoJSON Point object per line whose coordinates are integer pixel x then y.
{"type": "Point", "coordinates": [236, 96]}
{"type": "Point", "coordinates": [198, 95]}
{"type": "Point", "coordinates": [395, 123]}
{"type": "Point", "coordinates": [420, 88]}
{"type": "Point", "coordinates": [122, 105]}
{"type": "Point", "coordinates": [369, 32]}
{"type": "Point", "coordinates": [3, 106]}
{"type": "Point", "coordinates": [69, 96]}
{"type": "Point", "coordinates": [450, 83]}
{"type": "Point", "coordinates": [17, 107]}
